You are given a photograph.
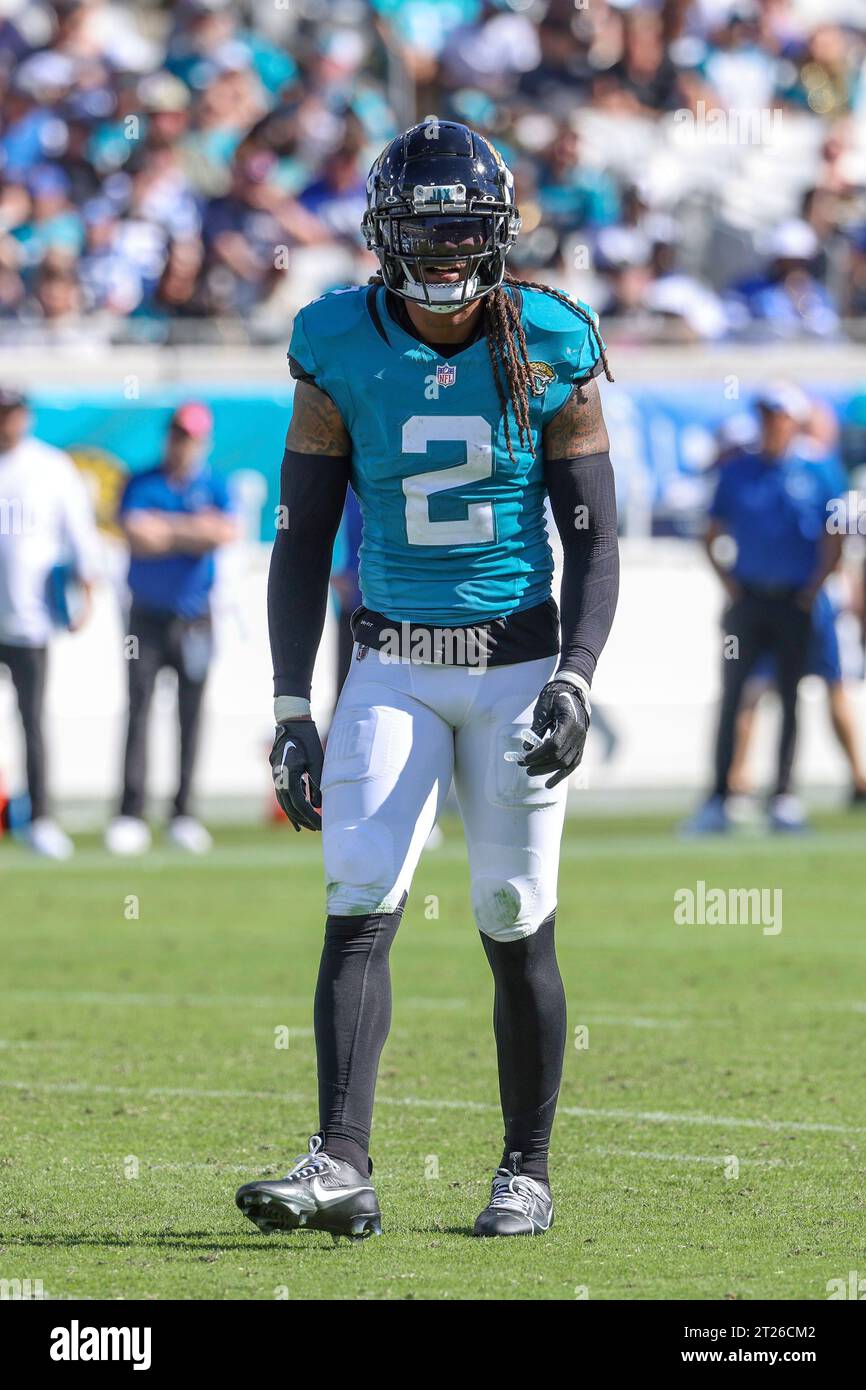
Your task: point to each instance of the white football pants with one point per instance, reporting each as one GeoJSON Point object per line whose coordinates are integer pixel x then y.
{"type": "Point", "coordinates": [400, 732]}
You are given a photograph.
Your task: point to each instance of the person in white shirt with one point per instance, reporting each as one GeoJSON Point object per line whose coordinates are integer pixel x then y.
{"type": "Point", "coordinates": [46, 522]}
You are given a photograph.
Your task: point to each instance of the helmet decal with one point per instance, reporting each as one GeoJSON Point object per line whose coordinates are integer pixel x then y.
{"type": "Point", "coordinates": [451, 194]}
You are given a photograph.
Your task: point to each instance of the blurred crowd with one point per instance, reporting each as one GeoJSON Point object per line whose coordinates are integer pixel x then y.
{"type": "Point", "coordinates": [696, 169]}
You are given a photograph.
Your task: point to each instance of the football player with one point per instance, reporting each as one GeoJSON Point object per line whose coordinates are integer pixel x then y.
{"type": "Point", "coordinates": [455, 400]}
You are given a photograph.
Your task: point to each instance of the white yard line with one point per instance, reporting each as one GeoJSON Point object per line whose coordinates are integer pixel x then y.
{"type": "Point", "coordinates": [412, 1003]}
{"type": "Point", "coordinates": [665, 1117]}
{"type": "Point", "coordinates": [657, 1117]}
{"type": "Point", "coordinates": [599, 1150]}
{"type": "Point", "coordinates": [627, 1021]}
{"type": "Point", "coordinates": [717, 1160]}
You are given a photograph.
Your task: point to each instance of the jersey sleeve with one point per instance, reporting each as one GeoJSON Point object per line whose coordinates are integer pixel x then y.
{"type": "Point", "coordinates": [586, 349]}
{"type": "Point", "coordinates": [326, 347]}
{"type": "Point", "coordinates": [302, 362]}
{"type": "Point", "coordinates": [566, 347]}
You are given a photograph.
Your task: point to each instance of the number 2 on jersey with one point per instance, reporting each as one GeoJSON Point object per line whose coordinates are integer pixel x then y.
{"type": "Point", "coordinates": [477, 526]}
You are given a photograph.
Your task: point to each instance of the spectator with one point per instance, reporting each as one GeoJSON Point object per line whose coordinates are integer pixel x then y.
{"type": "Point", "coordinates": [202, 31]}
{"type": "Point", "coordinates": [29, 123]}
{"type": "Point", "coordinates": [224, 112]}
{"type": "Point", "coordinates": [694, 310]}
{"type": "Point", "coordinates": [109, 281]}
{"type": "Point", "coordinates": [741, 72]}
{"type": "Point", "coordinates": [823, 660]}
{"type": "Point", "coordinates": [155, 109]}
{"type": "Point", "coordinates": [53, 223]}
{"type": "Point", "coordinates": [175, 517]}
{"type": "Point", "coordinates": [47, 533]}
{"type": "Point", "coordinates": [572, 195]}
{"type": "Point", "coordinates": [857, 278]}
{"type": "Point", "coordinates": [57, 304]}
{"type": "Point", "coordinates": [165, 101]}
{"type": "Point", "coordinates": [786, 299]}
{"type": "Point", "coordinates": [643, 81]}
{"type": "Point", "coordinates": [492, 51]}
{"type": "Point", "coordinates": [243, 230]}
{"type": "Point", "coordinates": [79, 116]}
{"type": "Point", "coordinates": [338, 199]}
{"type": "Point", "coordinates": [565, 73]}
{"type": "Point", "coordinates": [827, 76]}
{"type": "Point", "coordinates": [623, 262]}
{"type": "Point", "coordinates": [772, 503]}
{"type": "Point", "coordinates": [178, 295]}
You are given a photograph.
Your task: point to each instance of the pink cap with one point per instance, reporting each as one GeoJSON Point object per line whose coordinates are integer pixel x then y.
{"type": "Point", "coordinates": [194, 418]}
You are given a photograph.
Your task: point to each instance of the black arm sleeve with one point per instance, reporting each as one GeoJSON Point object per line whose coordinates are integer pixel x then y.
{"type": "Point", "coordinates": [312, 493]}
{"type": "Point", "coordinates": [583, 501]}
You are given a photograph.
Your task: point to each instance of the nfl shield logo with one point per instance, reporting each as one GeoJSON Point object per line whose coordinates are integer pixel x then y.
{"type": "Point", "coordinates": [446, 374]}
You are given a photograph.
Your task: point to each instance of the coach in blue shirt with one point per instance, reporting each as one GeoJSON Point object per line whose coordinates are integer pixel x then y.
{"type": "Point", "coordinates": [772, 502]}
{"type": "Point", "coordinates": [174, 517]}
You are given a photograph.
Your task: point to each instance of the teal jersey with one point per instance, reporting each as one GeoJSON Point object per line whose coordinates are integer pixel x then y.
{"type": "Point", "coordinates": [454, 532]}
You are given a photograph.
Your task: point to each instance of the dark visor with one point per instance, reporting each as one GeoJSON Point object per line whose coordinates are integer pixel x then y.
{"type": "Point", "coordinates": [447, 237]}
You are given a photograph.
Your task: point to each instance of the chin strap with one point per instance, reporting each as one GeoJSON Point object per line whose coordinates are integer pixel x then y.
{"type": "Point", "coordinates": [443, 306]}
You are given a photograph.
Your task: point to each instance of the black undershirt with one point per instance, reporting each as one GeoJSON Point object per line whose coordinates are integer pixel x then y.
{"type": "Point", "coordinates": [400, 314]}
{"type": "Point", "coordinates": [526, 635]}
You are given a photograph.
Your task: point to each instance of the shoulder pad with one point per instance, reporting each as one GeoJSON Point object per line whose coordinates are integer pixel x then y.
{"type": "Point", "coordinates": [319, 329]}
{"type": "Point", "coordinates": [551, 315]}
{"type": "Point", "coordinates": [335, 312]}
{"type": "Point", "coordinates": [565, 337]}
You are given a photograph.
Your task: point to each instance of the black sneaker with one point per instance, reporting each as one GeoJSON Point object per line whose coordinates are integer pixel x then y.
{"type": "Point", "coordinates": [518, 1206]}
{"type": "Point", "coordinates": [319, 1194]}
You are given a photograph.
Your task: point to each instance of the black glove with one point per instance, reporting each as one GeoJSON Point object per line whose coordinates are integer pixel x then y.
{"type": "Point", "coordinates": [296, 765]}
{"type": "Point", "coordinates": [560, 713]}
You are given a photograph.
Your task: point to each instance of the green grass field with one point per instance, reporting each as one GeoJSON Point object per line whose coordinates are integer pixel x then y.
{"type": "Point", "coordinates": [710, 1141]}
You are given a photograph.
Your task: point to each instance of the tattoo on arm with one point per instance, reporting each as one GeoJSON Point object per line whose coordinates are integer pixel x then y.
{"type": "Point", "coordinates": [578, 429]}
{"type": "Point", "coordinates": [316, 426]}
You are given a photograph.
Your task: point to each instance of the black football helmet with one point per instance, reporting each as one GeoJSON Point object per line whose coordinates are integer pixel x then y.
{"type": "Point", "coordinates": [441, 215]}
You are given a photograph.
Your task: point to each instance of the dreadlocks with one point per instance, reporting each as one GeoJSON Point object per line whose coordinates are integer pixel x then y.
{"type": "Point", "coordinates": [506, 342]}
